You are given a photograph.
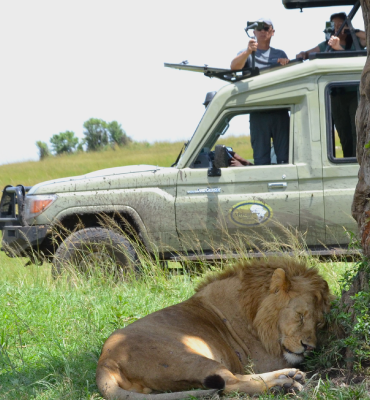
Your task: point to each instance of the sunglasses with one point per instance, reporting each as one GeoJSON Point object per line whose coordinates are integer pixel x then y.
{"type": "Point", "coordinates": [265, 28]}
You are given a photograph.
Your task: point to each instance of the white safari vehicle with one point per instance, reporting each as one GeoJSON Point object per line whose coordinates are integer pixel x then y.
{"type": "Point", "coordinates": [192, 209]}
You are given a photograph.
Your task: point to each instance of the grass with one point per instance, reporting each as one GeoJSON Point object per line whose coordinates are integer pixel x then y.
{"type": "Point", "coordinates": [51, 333]}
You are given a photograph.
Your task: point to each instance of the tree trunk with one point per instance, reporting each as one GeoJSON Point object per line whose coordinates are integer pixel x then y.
{"type": "Point", "coordinates": [361, 200]}
{"type": "Point", "coordinates": [361, 204]}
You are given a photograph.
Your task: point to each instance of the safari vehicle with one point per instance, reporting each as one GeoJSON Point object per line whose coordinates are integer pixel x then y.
{"type": "Point", "coordinates": [190, 209]}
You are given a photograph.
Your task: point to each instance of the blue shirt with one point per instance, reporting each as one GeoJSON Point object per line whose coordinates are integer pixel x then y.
{"type": "Point", "coordinates": [265, 58]}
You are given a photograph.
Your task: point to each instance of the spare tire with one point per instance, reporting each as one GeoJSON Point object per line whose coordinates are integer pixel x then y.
{"type": "Point", "coordinates": [89, 248]}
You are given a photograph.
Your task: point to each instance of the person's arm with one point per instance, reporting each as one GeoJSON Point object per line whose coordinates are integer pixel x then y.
{"type": "Point", "coordinates": [239, 61]}
{"type": "Point", "coordinates": [362, 36]}
{"type": "Point", "coordinates": [305, 54]}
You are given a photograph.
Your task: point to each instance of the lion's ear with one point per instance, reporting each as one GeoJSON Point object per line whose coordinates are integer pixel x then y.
{"type": "Point", "coordinates": [279, 281]}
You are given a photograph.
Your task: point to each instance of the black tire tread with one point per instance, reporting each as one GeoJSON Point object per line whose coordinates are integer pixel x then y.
{"type": "Point", "coordinates": [68, 251]}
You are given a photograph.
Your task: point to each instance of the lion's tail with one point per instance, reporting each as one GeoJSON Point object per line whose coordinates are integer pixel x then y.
{"type": "Point", "coordinates": [110, 390]}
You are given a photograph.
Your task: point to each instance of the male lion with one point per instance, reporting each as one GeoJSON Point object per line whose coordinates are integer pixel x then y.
{"type": "Point", "coordinates": [266, 312]}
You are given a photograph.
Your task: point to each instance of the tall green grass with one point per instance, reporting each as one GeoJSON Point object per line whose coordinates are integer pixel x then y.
{"type": "Point", "coordinates": [52, 331]}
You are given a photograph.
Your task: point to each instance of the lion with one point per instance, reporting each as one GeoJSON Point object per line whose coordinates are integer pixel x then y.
{"type": "Point", "coordinates": [262, 311]}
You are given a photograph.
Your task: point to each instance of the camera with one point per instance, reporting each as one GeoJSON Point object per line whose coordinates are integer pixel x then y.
{"type": "Point", "coordinates": [329, 30]}
{"type": "Point", "coordinates": [255, 25]}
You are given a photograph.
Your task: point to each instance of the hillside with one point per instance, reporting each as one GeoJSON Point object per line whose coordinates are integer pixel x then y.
{"type": "Point", "coordinates": [160, 153]}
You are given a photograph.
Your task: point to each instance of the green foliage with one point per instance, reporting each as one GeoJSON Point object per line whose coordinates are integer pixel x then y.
{"type": "Point", "coordinates": [96, 134]}
{"type": "Point", "coordinates": [43, 149]}
{"type": "Point", "coordinates": [116, 134]}
{"type": "Point", "coordinates": [99, 133]}
{"type": "Point", "coordinates": [349, 342]}
{"type": "Point", "coordinates": [64, 142]}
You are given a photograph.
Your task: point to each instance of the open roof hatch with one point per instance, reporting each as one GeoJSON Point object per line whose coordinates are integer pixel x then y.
{"type": "Point", "coordinates": [228, 74]}
{"type": "Point", "coordinates": [317, 3]}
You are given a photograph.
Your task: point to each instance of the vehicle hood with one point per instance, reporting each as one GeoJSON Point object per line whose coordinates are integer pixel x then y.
{"type": "Point", "coordinates": [104, 179]}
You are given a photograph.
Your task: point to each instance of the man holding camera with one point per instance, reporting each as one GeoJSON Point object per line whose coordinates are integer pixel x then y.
{"type": "Point", "coordinates": [265, 124]}
{"type": "Point", "coordinates": [266, 56]}
{"type": "Point", "coordinates": [342, 42]}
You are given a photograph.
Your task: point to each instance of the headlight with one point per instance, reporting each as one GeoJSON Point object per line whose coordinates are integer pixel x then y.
{"type": "Point", "coordinates": [36, 205]}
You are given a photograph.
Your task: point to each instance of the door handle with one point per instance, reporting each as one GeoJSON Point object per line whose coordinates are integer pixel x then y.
{"type": "Point", "coordinates": [275, 185]}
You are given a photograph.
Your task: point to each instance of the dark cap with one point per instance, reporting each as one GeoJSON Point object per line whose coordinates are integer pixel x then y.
{"type": "Point", "coordinates": [341, 15]}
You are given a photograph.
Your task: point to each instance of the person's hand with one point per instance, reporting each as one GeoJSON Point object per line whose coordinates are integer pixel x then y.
{"type": "Point", "coordinates": [302, 54]}
{"type": "Point", "coordinates": [238, 161]}
{"type": "Point", "coordinates": [235, 163]}
{"type": "Point", "coordinates": [252, 45]}
{"type": "Point", "coordinates": [283, 61]}
{"type": "Point", "coordinates": [334, 42]}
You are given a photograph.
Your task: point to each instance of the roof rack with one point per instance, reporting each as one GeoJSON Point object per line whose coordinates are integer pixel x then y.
{"type": "Point", "coordinates": [338, 54]}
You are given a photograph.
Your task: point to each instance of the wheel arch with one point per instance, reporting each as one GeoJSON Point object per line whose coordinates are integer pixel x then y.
{"type": "Point", "coordinates": [90, 216]}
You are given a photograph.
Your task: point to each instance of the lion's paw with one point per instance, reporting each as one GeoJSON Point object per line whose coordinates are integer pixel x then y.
{"type": "Point", "coordinates": [288, 380]}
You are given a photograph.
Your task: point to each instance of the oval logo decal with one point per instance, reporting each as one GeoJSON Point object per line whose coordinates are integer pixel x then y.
{"type": "Point", "coordinates": [250, 213]}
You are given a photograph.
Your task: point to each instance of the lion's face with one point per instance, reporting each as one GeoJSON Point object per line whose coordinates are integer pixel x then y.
{"type": "Point", "coordinates": [290, 315]}
{"type": "Point", "coordinates": [298, 323]}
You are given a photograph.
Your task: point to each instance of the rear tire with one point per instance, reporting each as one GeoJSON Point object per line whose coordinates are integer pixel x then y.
{"type": "Point", "coordinates": [92, 248]}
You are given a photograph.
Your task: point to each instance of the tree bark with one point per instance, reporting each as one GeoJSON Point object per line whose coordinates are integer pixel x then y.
{"type": "Point", "coordinates": [361, 200]}
{"type": "Point", "coordinates": [361, 204]}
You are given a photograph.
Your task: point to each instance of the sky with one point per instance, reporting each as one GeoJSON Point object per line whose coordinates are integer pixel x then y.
{"type": "Point", "coordinates": [65, 61]}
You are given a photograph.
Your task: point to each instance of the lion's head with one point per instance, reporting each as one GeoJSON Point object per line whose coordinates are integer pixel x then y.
{"type": "Point", "coordinates": [284, 301]}
{"type": "Point", "coordinates": [292, 310]}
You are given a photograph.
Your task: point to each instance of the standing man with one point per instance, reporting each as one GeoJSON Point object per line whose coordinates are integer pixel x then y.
{"type": "Point", "coordinates": [270, 124]}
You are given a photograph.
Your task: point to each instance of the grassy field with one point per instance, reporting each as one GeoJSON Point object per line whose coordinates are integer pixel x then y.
{"type": "Point", "coordinates": [51, 333]}
{"type": "Point", "coordinates": [161, 153]}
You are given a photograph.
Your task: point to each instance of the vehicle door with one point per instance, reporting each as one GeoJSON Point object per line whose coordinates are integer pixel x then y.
{"type": "Point", "coordinates": [338, 104]}
{"type": "Point", "coordinates": [241, 206]}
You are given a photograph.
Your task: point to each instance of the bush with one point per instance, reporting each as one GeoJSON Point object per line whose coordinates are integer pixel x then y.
{"type": "Point", "coordinates": [43, 149]}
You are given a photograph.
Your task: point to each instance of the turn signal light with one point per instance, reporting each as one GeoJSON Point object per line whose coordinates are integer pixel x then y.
{"type": "Point", "coordinates": [40, 205]}
{"type": "Point", "coordinates": [37, 204]}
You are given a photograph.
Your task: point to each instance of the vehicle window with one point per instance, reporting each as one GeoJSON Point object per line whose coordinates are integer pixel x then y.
{"type": "Point", "coordinates": [341, 106]}
{"type": "Point", "coordinates": [259, 137]}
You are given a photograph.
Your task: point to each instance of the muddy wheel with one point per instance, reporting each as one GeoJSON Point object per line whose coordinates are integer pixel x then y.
{"type": "Point", "coordinates": [92, 248]}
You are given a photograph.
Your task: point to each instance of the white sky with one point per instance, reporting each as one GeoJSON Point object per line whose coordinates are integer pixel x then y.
{"type": "Point", "coordinates": [63, 62]}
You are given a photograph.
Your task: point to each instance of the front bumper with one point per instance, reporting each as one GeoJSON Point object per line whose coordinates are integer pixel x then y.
{"type": "Point", "coordinates": [19, 239]}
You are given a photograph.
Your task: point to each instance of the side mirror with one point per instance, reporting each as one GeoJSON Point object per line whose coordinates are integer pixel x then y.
{"type": "Point", "coordinates": [221, 160]}
{"type": "Point", "coordinates": [222, 157]}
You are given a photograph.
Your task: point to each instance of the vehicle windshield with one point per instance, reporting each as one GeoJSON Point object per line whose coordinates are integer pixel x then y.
{"type": "Point", "coordinates": [186, 145]}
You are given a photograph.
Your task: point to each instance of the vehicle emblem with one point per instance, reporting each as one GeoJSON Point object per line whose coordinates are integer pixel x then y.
{"type": "Point", "coordinates": [250, 213]}
{"type": "Point", "coordinates": [206, 190]}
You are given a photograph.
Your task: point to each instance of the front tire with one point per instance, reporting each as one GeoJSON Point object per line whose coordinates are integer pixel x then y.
{"type": "Point", "coordinates": [92, 248]}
